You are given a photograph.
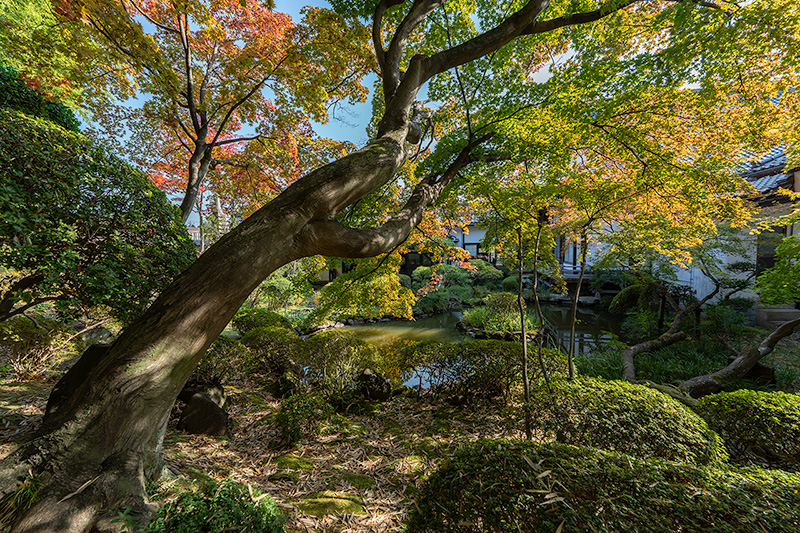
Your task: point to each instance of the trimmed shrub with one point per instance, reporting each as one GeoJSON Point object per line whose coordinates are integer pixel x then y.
{"type": "Point", "coordinates": [478, 368]}
{"type": "Point", "coordinates": [302, 415]}
{"type": "Point", "coordinates": [626, 299]}
{"type": "Point", "coordinates": [32, 347]}
{"type": "Point", "coordinates": [333, 359]}
{"type": "Point", "coordinates": [227, 506]}
{"type": "Point", "coordinates": [258, 317]}
{"type": "Point", "coordinates": [499, 314]}
{"type": "Point", "coordinates": [224, 356]}
{"type": "Point", "coordinates": [485, 274]}
{"type": "Point", "coordinates": [420, 277]}
{"type": "Point", "coordinates": [526, 487]}
{"type": "Point", "coordinates": [757, 427]}
{"type": "Point", "coordinates": [396, 360]}
{"type": "Point", "coordinates": [628, 418]}
{"type": "Point", "coordinates": [81, 227]}
{"type": "Point", "coordinates": [274, 350]}
{"type": "Point", "coordinates": [511, 283]}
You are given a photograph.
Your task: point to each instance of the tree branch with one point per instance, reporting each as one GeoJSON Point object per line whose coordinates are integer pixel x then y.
{"type": "Point", "coordinates": [331, 237]}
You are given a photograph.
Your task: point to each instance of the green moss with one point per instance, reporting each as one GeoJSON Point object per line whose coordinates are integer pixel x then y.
{"type": "Point", "coordinates": [616, 415]}
{"type": "Point", "coordinates": [331, 502]}
{"type": "Point", "coordinates": [359, 481]}
{"type": "Point", "coordinates": [391, 426]}
{"type": "Point", "coordinates": [292, 461]}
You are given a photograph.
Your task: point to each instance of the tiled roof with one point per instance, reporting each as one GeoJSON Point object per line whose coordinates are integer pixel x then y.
{"type": "Point", "coordinates": [767, 173]}
{"type": "Point", "coordinates": [767, 183]}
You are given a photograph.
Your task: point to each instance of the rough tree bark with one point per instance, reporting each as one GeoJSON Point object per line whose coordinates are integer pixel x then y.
{"type": "Point", "coordinates": [104, 416]}
{"type": "Point", "coordinates": [745, 360]}
{"type": "Point", "coordinates": [669, 337]}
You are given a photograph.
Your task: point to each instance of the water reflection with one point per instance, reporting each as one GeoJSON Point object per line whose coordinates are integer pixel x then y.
{"type": "Point", "coordinates": [441, 328]}
{"type": "Point", "coordinates": [593, 327]}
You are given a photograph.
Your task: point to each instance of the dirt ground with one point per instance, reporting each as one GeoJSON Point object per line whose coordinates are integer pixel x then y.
{"type": "Point", "coordinates": [359, 475]}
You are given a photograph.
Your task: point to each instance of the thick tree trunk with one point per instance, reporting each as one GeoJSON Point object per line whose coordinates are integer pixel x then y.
{"type": "Point", "coordinates": [106, 412]}
{"type": "Point", "coordinates": [88, 457]}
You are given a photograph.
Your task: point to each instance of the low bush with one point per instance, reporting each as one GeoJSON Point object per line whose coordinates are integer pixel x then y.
{"type": "Point", "coordinates": [274, 351]}
{"type": "Point", "coordinates": [478, 368]}
{"type": "Point", "coordinates": [258, 317]}
{"type": "Point", "coordinates": [757, 427]}
{"type": "Point", "coordinates": [302, 415]}
{"type": "Point", "coordinates": [332, 360]}
{"type": "Point", "coordinates": [511, 284]}
{"type": "Point", "coordinates": [32, 346]}
{"type": "Point", "coordinates": [224, 356]}
{"type": "Point", "coordinates": [628, 418]}
{"type": "Point", "coordinates": [500, 313]}
{"type": "Point", "coordinates": [227, 506]}
{"type": "Point", "coordinates": [527, 487]}
{"type": "Point", "coordinates": [485, 274]}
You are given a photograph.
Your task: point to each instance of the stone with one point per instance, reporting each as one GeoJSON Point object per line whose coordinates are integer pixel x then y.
{"type": "Point", "coordinates": [283, 387]}
{"type": "Point", "coordinates": [203, 416]}
{"type": "Point", "coordinates": [374, 386]}
{"type": "Point", "coordinates": [212, 389]}
{"type": "Point", "coordinates": [331, 502]}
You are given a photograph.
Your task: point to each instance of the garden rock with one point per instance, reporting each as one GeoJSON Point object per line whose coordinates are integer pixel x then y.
{"type": "Point", "coordinates": [374, 386]}
{"type": "Point", "coordinates": [213, 390]}
{"type": "Point", "coordinates": [203, 416]}
{"type": "Point", "coordinates": [283, 387]}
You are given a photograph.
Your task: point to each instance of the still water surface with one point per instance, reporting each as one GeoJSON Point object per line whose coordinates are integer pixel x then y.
{"type": "Point", "coordinates": [593, 327]}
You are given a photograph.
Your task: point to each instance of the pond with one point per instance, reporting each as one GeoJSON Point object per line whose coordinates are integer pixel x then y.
{"type": "Point", "coordinates": [594, 326]}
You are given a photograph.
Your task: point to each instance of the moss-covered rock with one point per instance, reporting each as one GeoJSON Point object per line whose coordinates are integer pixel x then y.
{"type": "Point", "coordinates": [359, 481]}
{"type": "Point", "coordinates": [331, 502]}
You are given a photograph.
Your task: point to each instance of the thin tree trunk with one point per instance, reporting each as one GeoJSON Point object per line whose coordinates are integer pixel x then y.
{"type": "Point", "coordinates": [570, 355]}
{"type": "Point", "coordinates": [521, 305]}
{"type": "Point", "coordinates": [540, 221]}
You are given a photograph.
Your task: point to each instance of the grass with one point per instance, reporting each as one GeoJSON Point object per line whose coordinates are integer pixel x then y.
{"type": "Point", "coordinates": [690, 358]}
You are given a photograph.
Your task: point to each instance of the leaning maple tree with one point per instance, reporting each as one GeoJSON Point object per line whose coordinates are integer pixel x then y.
{"type": "Point", "coordinates": [105, 415]}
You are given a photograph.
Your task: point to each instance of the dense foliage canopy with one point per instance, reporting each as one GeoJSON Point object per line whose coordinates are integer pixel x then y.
{"type": "Point", "coordinates": [78, 226]}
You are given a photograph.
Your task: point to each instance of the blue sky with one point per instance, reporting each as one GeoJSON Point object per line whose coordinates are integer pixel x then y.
{"type": "Point", "coordinates": [351, 120]}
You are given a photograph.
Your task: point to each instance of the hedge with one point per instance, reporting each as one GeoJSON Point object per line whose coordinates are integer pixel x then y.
{"type": "Point", "coordinates": [527, 487]}
{"type": "Point", "coordinates": [621, 416]}
{"type": "Point", "coordinates": [757, 427]}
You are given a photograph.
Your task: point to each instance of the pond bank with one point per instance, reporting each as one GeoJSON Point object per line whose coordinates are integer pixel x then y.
{"type": "Point", "coordinates": [594, 326]}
